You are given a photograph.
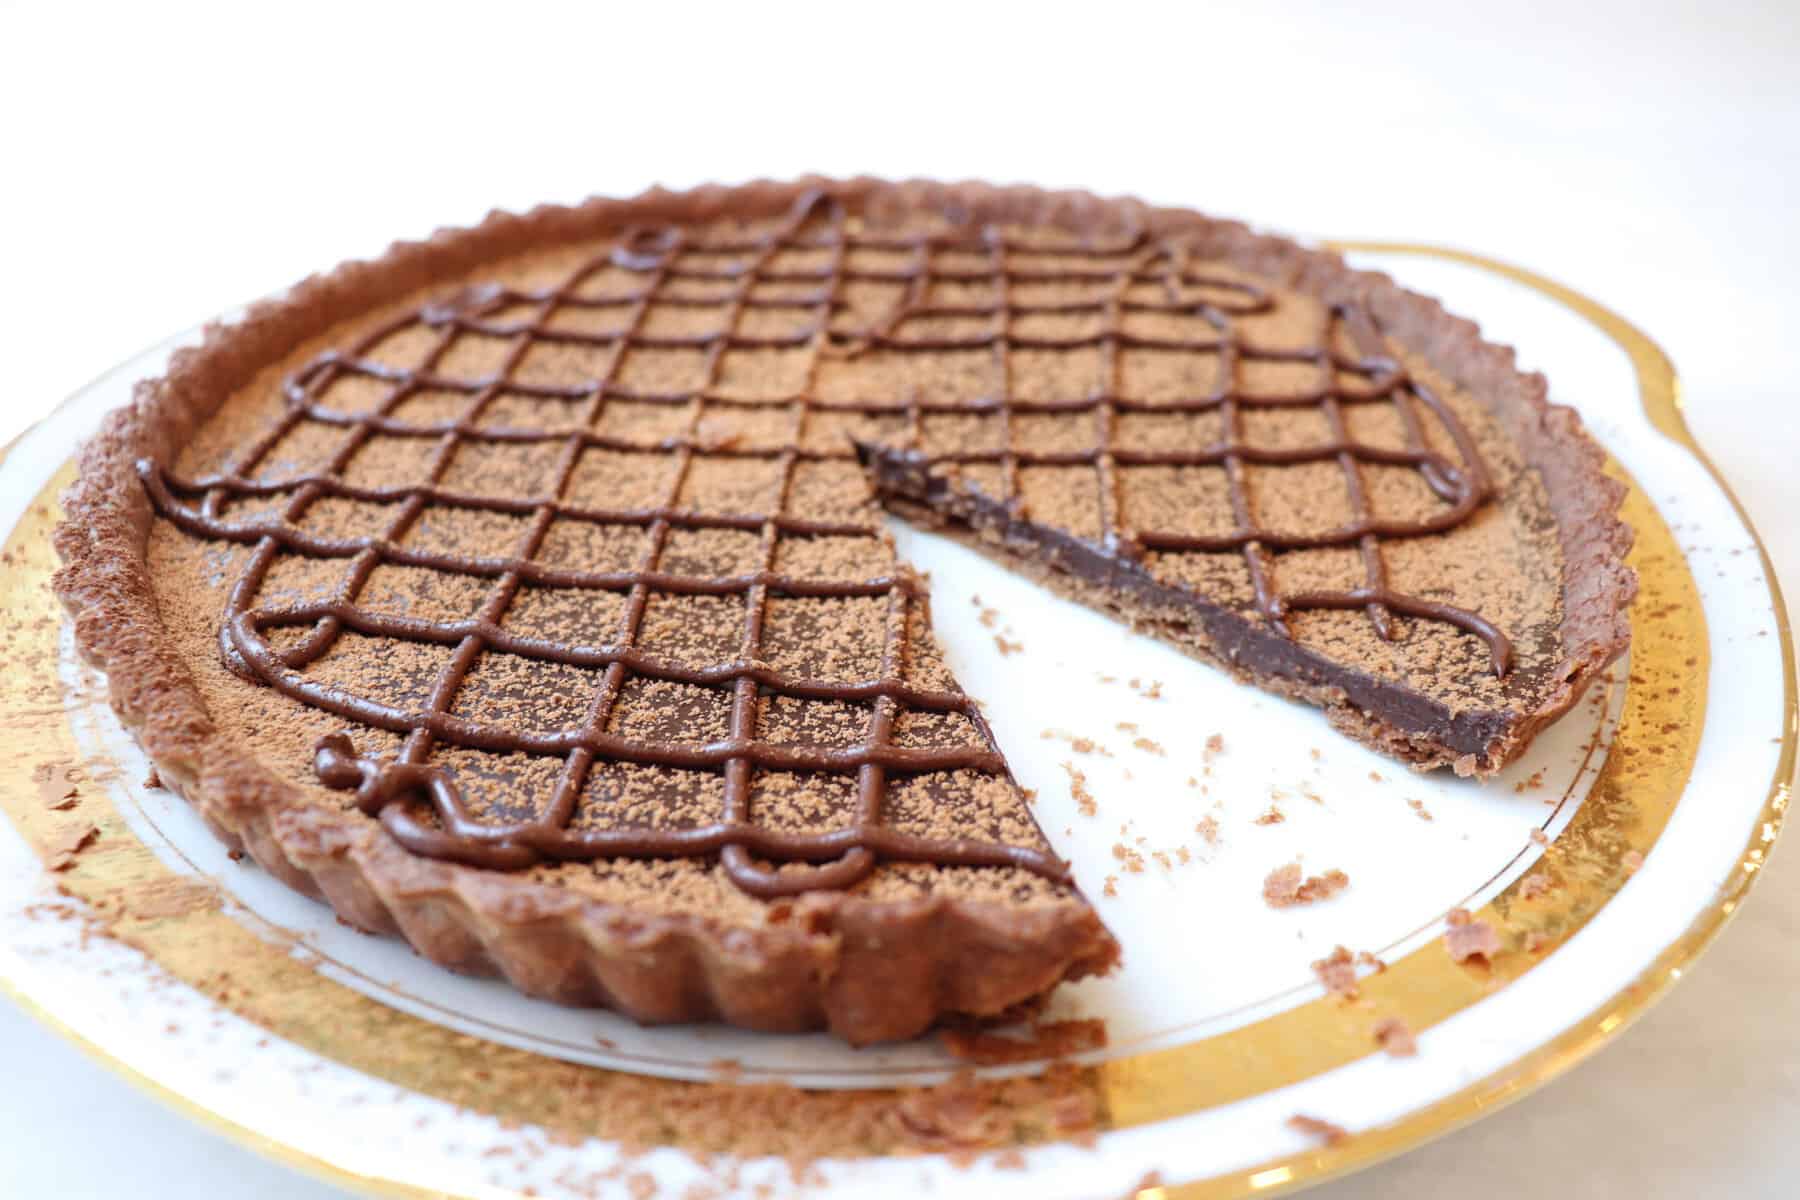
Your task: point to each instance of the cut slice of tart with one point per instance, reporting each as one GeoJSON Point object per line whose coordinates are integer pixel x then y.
{"type": "Point", "coordinates": [1293, 470]}
{"type": "Point", "coordinates": [523, 591]}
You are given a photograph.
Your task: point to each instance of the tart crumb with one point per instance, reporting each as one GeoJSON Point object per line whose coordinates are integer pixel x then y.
{"type": "Point", "coordinates": [1467, 938]}
{"type": "Point", "coordinates": [1314, 1127]}
{"type": "Point", "coordinates": [1131, 858]}
{"type": "Point", "coordinates": [1285, 887]}
{"type": "Point", "coordinates": [1080, 745]}
{"type": "Point", "coordinates": [1084, 799]}
{"type": "Point", "coordinates": [1395, 1036]}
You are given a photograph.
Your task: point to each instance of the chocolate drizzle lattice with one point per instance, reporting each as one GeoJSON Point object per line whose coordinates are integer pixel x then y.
{"type": "Point", "coordinates": [792, 277]}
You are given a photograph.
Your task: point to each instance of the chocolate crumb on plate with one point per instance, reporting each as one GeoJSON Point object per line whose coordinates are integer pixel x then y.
{"type": "Point", "coordinates": [1130, 857]}
{"type": "Point", "coordinates": [1045, 1040]}
{"type": "Point", "coordinates": [1084, 799]}
{"type": "Point", "coordinates": [1337, 972]}
{"type": "Point", "coordinates": [1467, 938]}
{"type": "Point", "coordinates": [1314, 1127]}
{"type": "Point", "coordinates": [1077, 743]}
{"type": "Point", "coordinates": [1285, 887]}
{"type": "Point", "coordinates": [1535, 885]}
{"type": "Point", "coordinates": [1395, 1036]}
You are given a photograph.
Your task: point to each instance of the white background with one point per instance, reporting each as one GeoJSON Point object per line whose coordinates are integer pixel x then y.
{"type": "Point", "coordinates": [160, 164]}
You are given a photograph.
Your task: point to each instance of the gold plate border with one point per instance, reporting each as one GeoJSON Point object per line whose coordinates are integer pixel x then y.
{"type": "Point", "coordinates": [1154, 1086]}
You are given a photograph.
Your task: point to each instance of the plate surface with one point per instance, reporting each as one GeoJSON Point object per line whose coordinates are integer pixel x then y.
{"type": "Point", "coordinates": [401, 1077]}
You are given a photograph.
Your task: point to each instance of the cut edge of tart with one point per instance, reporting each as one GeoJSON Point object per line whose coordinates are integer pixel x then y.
{"type": "Point", "coordinates": [867, 969]}
{"type": "Point", "coordinates": [1425, 732]}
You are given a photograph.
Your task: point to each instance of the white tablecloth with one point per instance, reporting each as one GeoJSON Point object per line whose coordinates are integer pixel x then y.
{"type": "Point", "coordinates": [162, 163]}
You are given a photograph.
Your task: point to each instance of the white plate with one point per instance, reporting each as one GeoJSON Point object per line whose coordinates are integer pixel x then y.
{"type": "Point", "coordinates": [1203, 955]}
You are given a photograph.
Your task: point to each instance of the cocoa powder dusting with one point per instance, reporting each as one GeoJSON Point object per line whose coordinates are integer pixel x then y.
{"type": "Point", "coordinates": [67, 844]}
{"type": "Point", "coordinates": [58, 784]}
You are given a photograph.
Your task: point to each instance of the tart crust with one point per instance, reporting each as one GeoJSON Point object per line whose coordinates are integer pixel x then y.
{"type": "Point", "coordinates": [868, 970]}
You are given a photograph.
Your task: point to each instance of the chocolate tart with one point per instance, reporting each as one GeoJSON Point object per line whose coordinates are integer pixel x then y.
{"type": "Point", "coordinates": [524, 591]}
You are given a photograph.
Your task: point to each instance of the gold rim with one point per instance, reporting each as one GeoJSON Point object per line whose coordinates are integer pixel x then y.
{"type": "Point", "coordinates": [1136, 1093]}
